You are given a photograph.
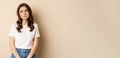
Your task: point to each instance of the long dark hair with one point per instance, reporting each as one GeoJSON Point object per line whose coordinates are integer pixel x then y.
{"type": "Point", "coordinates": [30, 19]}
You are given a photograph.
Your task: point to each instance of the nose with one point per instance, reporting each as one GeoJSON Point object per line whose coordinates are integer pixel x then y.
{"type": "Point", "coordinates": [24, 13]}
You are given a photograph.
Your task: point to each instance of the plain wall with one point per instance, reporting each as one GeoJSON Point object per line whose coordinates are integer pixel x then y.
{"type": "Point", "coordinates": [68, 28]}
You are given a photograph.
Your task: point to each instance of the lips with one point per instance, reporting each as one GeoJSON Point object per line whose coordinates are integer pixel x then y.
{"type": "Point", "coordinates": [24, 16]}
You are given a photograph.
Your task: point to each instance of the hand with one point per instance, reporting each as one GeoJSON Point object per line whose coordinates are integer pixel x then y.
{"type": "Point", "coordinates": [29, 57]}
{"type": "Point", "coordinates": [18, 57]}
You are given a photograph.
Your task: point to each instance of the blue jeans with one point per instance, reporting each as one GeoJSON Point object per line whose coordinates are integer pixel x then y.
{"type": "Point", "coordinates": [23, 53]}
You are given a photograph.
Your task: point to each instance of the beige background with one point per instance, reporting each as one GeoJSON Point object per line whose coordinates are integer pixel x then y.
{"type": "Point", "coordinates": [69, 28]}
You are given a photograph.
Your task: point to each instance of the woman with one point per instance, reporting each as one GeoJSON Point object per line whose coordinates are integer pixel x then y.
{"type": "Point", "coordinates": [24, 34]}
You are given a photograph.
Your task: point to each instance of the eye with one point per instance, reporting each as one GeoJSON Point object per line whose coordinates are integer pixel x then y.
{"type": "Point", "coordinates": [21, 11]}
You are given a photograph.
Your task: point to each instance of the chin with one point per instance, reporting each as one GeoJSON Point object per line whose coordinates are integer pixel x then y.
{"type": "Point", "coordinates": [24, 18]}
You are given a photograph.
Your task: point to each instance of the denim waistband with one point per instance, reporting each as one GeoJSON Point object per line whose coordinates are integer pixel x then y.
{"type": "Point", "coordinates": [23, 50]}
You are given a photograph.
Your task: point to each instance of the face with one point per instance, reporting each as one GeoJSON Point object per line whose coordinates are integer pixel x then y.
{"type": "Point", "coordinates": [24, 14]}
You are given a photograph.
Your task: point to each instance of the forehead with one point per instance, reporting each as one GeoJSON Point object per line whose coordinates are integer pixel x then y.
{"type": "Point", "coordinates": [23, 8]}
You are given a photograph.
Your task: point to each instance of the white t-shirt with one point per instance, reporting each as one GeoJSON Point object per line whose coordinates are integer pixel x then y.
{"type": "Point", "coordinates": [24, 39]}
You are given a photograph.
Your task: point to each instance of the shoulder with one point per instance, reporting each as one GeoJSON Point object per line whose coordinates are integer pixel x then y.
{"type": "Point", "coordinates": [35, 24]}
{"type": "Point", "coordinates": [14, 24]}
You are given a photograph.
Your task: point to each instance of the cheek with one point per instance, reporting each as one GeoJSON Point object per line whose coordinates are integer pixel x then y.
{"type": "Point", "coordinates": [27, 13]}
{"type": "Point", "coordinates": [21, 14]}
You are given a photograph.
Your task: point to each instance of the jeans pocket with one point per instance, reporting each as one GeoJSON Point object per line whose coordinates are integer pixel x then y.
{"type": "Point", "coordinates": [13, 56]}
{"type": "Point", "coordinates": [34, 56]}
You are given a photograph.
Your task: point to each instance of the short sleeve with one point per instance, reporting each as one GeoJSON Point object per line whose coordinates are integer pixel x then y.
{"type": "Point", "coordinates": [37, 34]}
{"type": "Point", "coordinates": [12, 31]}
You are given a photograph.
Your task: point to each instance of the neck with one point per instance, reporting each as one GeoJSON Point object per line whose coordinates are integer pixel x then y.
{"type": "Point", "coordinates": [24, 22]}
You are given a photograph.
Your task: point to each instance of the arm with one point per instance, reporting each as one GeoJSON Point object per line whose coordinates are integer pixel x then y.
{"type": "Point", "coordinates": [34, 48]}
{"type": "Point", "coordinates": [12, 46]}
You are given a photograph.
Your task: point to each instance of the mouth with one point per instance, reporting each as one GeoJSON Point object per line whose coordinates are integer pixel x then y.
{"type": "Point", "coordinates": [24, 16]}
